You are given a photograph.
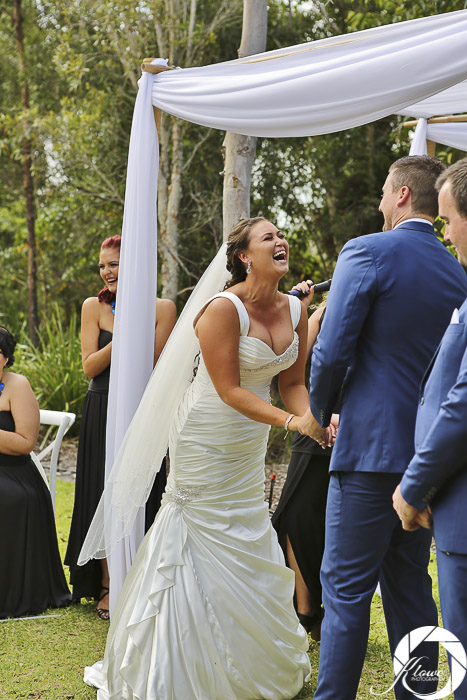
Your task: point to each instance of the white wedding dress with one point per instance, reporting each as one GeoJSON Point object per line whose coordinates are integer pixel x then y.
{"type": "Point", "coordinates": [206, 610]}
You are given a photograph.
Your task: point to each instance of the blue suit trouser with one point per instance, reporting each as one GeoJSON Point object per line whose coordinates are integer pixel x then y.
{"type": "Point", "coordinates": [365, 543]}
{"type": "Point", "coordinates": [452, 582]}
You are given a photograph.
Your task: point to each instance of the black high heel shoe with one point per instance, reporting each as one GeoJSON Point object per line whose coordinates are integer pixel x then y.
{"type": "Point", "coordinates": [103, 613]}
{"type": "Point", "coordinates": [312, 624]}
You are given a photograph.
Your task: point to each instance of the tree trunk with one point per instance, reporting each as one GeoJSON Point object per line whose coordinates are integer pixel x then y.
{"type": "Point", "coordinates": [239, 151]}
{"type": "Point", "coordinates": [28, 182]}
{"type": "Point", "coordinates": [170, 266]}
{"type": "Point", "coordinates": [163, 191]}
{"type": "Point", "coordinates": [171, 155]}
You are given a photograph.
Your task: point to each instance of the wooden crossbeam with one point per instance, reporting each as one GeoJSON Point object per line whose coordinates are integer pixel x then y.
{"type": "Point", "coordinates": [449, 118]}
{"type": "Point", "coordinates": [153, 67]}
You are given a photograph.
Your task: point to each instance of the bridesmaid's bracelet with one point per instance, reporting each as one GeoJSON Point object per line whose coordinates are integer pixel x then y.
{"type": "Point", "coordinates": [286, 426]}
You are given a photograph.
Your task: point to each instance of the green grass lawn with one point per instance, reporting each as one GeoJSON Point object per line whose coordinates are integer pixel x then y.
{"type": "Point", "coordinates": [44, 658]}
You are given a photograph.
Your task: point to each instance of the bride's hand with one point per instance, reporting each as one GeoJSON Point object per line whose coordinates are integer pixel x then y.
{"type": "Point", "coordinates": [308, 425]}
{"type": "Point", "coordinates": [293, 424]}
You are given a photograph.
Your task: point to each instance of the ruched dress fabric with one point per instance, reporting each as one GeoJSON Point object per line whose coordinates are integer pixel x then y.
{"type": "Point", "coordinates": [206, 612]}
{"type": "Point", "coordinates": [32, 577]}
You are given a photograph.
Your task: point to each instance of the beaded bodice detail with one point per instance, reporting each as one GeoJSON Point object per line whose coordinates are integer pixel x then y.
{"type": "Point", "coordinates": [281, 361]}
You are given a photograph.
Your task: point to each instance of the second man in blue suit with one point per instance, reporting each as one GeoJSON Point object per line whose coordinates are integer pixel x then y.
{"type": "Point", "coordinates": [393, 293]}
{"type": "Point", "coordinates": [436, 478]}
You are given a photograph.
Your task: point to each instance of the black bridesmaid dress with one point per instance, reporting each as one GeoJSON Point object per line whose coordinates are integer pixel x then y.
{"type": "Point", "coordinates": [32, 577]}
{"type": "Point", "coordinates": [90, 475]}
{"type": "Point", "coordinates": [90, 478]}
{"type": "Point", "coordinates": [301, 511]}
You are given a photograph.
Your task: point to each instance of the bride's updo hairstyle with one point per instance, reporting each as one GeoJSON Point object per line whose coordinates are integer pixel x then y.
{"type": "Point", "coordinates": [105, 295]}
{"type": "Point", "coordinates": [237, 242]}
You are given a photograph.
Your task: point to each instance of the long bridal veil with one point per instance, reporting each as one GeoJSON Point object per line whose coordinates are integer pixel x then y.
{"type": "Point", "coordinates": [146, 440]}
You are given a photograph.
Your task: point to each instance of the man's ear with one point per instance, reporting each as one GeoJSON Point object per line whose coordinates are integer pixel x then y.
{"type": "Point", "coordinates": [404, 195]}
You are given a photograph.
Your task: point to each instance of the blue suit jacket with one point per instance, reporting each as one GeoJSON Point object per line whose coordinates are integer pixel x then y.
{"type": "Point", "coordinates": [438, 472]}
{"type": "Point", "coordinates": [392, 296]}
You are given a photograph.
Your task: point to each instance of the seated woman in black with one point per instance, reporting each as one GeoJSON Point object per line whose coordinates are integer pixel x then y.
{"type": "Point", "coordinates": [32, 577]}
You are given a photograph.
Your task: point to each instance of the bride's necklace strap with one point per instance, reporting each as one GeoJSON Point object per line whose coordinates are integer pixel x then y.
{"type": "Point", "coordinates": [2, 385]}
{"type": "Point", "coordinates": [112, 307]}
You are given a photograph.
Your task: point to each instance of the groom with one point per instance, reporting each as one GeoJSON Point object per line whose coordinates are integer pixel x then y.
{"type": "Point", "coordinates": [437, 474]}
{"type": "Point", "coordinates": [392, 295]}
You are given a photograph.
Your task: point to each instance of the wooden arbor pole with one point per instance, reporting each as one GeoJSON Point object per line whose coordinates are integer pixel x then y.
{"type": "Point", "coordinates": [447, 119]}
{"type": "Point", "coordinates": [155, 69]}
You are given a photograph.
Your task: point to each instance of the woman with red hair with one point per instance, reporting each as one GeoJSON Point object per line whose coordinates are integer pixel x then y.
{"type": "Point", "coordinates": [97, 320]}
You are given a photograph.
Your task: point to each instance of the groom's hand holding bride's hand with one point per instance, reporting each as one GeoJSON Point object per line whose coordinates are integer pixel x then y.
{"type": "Point", "coordinates": [334, 426]}
{"type": "Point", "coordinates": [308, 425]}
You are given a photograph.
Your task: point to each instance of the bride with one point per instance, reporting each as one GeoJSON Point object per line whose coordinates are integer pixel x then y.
{"type": "Point", "coordinates": [206, 611]}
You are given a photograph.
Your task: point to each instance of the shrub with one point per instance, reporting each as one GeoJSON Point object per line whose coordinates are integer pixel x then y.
{"type": "Point", "coordinates": [54, 369]}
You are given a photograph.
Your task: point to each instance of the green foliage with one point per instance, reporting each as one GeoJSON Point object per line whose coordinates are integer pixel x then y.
{"type": "Point", "coordinates": [325, 190]}
{"type": "Point", "coordinates": [54, 369]}
{"type": "Point", "coordinates": [85, 58]}
{"type": "Point", "coordinates": [370, 13]}
{"type": "Point", "coordinates": [83, 61]}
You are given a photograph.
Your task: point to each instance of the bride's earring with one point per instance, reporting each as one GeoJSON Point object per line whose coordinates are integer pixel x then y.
{"type": "Point", "coordinates": [248, 267]}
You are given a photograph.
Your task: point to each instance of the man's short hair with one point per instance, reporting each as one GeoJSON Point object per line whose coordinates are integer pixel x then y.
{"type": "Point", "coordinates": [456, 178]}
{"type": "Point", "coordinates": [419, 174]}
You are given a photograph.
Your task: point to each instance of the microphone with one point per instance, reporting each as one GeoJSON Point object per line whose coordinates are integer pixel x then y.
{"type": "Point", "coordinates": [319, 288]}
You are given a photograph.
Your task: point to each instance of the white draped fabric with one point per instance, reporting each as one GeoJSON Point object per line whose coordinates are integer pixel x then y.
{"type": "Point", "coordinates": [450, 134]}
{"type": "Point", "coordinates": [135, 311]}
{"type": "Point", "coordinates": [313, 88]}
{"type": "Point", "coordinates": [322, 86]}
{"type": "Point", "coordinates": [418, 146]}
{"type": "Point", "coordinates": [450, 101]}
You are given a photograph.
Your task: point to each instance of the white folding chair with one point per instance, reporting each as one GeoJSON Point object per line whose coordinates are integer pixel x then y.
{"type": "Point", "coordinates": [64, 421]}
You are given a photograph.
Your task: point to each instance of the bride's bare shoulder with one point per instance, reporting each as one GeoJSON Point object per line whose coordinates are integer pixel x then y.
{"type": "Point", "coordinates": [218, 312]}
